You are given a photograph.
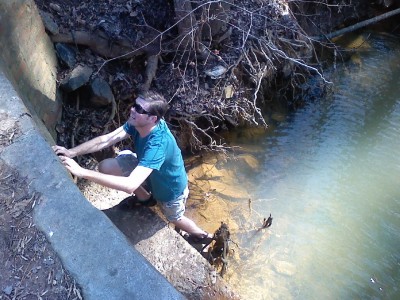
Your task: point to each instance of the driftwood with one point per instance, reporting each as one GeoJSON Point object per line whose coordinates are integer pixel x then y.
{"type": "Point", "coordinates": [102, 45]}
{"type": "Point", "coordinates": [357, 26]}
{"type": "Point", "coordinates": [218, 253]}
{"type": "Point", "coordinates": [267, 222]}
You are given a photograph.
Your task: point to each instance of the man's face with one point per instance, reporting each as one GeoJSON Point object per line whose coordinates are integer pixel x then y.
{"type": "Point", "coordinates": [139, 116]}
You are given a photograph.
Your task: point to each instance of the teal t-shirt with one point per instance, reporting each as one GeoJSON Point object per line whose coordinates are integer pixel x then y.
{"type": "Point", "coordinates": [160, 152]}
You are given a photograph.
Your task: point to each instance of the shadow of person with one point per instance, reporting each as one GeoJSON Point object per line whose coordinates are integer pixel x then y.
{"type": "Point", "coordinates": [139, 223]}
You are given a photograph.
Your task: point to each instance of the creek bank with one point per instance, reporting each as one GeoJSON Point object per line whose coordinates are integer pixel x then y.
{"type": "Point", "coordinates": [215, 81]}
{"type": "Point", "coordinates": [95, 130]}
{"type": "Point", "coordinates": [214, 84]}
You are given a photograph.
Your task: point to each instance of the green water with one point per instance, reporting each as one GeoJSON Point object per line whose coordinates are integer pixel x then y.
{"type": "Point", "coordinates": [331, 179]}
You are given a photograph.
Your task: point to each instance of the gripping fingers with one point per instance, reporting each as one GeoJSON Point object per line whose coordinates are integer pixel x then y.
{"type": "Point", "coordinates": [60, 150]}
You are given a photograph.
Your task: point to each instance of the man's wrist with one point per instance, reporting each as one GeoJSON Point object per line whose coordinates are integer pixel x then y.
{"type": "Point", "coordinates": [72, 153]}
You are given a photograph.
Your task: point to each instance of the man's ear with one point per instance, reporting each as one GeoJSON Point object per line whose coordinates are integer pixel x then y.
{"type": "Point", "coordinates": [154, 118]}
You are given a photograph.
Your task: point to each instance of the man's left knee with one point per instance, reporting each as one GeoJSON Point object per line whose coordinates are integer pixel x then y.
{"type": "Point", "coordinates": [176, 221]}
{"type": "Point", "coordinates": [109, 166]}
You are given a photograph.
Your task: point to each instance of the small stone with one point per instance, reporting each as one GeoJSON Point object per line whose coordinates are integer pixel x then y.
{"type": "Point", "coordinates": [213, 277]}
{"type": "Point", "coordinates": [78, 77]}
{"type": "Point", "coordinates": [48, 261]}
{"type": "Point", "coordinates": [66, 54]}
{"type": "Point", "coordinates": [216, 72]}
{"type": "Point", "coordinates": [56, 7]}
{"type": "Point", "coordinates": [228, 92]}
{"type": "Point", "coordinates": [49, 23]}
{"type": "Point", "coordinates": [8, 290]}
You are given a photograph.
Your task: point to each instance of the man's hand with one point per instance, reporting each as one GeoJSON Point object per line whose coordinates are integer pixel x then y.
{"type": "Point", "coordinates": [72, 166]}
{"type": "Point", "coordinates": [59, 150]}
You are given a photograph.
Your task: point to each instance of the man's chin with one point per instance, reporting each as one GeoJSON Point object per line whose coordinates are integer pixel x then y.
{"type": "Point", "coordinates": [131, 121]}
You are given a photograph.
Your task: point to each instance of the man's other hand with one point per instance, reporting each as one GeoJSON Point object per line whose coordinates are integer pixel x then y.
{"type": "Point", "coordinates": [72, 166]}
{"type": "Point", "coordinates": [59, 150]}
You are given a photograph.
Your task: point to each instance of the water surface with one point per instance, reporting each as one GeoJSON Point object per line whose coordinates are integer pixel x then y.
{"type": "Point", "coordinates": [331, 179]}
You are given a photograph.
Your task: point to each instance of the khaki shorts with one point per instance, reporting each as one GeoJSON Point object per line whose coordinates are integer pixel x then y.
{"type": "Point", "coordinates": [173, 210]}
{"type": "Point", "coordinates": [127, 161]}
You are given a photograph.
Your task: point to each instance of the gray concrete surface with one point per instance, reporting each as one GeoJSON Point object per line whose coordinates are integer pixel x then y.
{"type": "Point", "coordinates": [92, 249]}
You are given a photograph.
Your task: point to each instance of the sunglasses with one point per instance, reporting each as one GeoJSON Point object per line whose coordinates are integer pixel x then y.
{"type": "Point", "coordinates": [140, 110]}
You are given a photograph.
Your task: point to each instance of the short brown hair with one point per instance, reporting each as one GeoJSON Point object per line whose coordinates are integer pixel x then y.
{"type": "Point", "coordinates": [158, 106]}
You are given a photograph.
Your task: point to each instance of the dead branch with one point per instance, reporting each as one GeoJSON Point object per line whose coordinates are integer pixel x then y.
{"type": "Point", "coordinates": [357, 26]}
{"type": "Point", "coordinates": [99, 44]}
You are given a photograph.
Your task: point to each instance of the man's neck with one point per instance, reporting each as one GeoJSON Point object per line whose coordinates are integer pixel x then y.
{"type": "Point", "coordinates": [145, 131]}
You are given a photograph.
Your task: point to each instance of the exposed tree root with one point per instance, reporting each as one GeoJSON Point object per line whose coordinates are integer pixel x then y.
{"type": "Point", "coordinates": [150, 73]}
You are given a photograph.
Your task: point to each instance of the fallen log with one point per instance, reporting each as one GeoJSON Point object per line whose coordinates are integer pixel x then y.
{"type": "Point", "coordinates": [356, 26]}
{"type": "Point", "coordinates": [101, 44]}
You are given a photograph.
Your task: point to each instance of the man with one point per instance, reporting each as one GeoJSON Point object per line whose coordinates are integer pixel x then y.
{"type": "Point", "coordinates": [159, 162]}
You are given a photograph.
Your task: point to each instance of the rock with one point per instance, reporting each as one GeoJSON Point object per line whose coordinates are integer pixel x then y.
{"type": "Point", "coordinates": [216, 72]}
{"type": "Point", "coordinates": [66, 54]}
{"type": "Point", "coordinates": [224, 190]}
{"type": "Point", "coordinates": [77, 78]}
{"type": "Point", "coordinates": [8, 290]}
{"type": "Point", "coordinates": [279, 117]}
{"type": "Point", "coordinates": [205, 171]}
{"type": "Point", "coordinates": [248, 162]}
{"type": "Point", "coordinates": [56, 7]}
{"type": "Point", "coordinates": [221, 181]}
{"type": "Point", "coordinates": [48, 261]}
{"type": "Point", "coordinates": [284, 268]}
{"type": "Point", "coordinates": [228, 91]}
{"type": "Point", "coordinates": [49, 23]}
{"type": "Point", "coordinates": [101, 93]}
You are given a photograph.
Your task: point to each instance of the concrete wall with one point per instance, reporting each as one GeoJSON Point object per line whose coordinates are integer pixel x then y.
{"type": "Point", "coordinates": [28, 59]}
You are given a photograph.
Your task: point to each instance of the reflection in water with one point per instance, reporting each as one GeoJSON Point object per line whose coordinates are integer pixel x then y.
{"type": "Point", "coordinates": [331, 179]}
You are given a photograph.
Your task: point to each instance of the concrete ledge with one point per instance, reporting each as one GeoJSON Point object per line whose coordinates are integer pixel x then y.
{"type": "Point", "coordinates": [92, 249]}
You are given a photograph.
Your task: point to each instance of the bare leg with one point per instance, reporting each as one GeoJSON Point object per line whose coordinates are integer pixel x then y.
{"type": "Point", "coordinates": [190, 227]}
{"type": "Point", "coordinates": [111, 166]}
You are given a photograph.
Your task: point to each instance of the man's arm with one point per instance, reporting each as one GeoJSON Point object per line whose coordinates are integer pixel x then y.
{"type": "Point", "coordinates": [93, 145]}
{"type": "Point", "coordinates": [126, 184]}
